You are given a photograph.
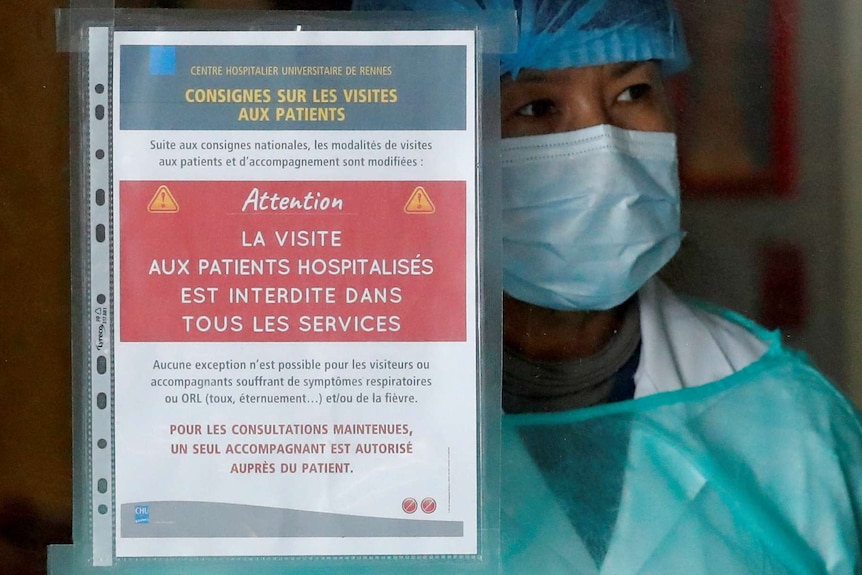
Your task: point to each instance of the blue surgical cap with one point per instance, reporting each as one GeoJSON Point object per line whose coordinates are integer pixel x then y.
{"type": "Point", "coordinates": [575, 33]}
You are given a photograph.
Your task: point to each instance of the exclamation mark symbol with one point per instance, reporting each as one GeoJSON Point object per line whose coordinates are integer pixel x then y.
{"type": "Point", "coordinates": [419, 202]}
{"type": "Point", "coordinates": [163, 202]}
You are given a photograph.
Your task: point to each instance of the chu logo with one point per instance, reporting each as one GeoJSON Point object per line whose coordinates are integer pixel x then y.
{"type": "Point", "coordinates": [142, 514]}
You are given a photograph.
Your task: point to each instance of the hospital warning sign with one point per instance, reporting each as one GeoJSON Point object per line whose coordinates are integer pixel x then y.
{"type": "Point", "coordinates": [293, 261]}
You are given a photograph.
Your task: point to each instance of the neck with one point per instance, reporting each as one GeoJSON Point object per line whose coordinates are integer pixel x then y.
{"type": "Point", "coordinates": [550, 334]}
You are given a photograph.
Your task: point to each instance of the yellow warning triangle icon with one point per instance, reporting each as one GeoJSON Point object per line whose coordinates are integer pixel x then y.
{"type": "Point", "coordinates": [163, 202]}
{"type": "Point", "coordinates": [419, 202]}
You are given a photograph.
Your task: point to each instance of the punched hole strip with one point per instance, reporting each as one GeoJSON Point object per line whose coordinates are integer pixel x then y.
{"type": "Point", "coordinates": [100, 406]}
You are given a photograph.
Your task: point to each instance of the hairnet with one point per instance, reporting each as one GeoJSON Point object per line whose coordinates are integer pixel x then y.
{"type": "Point", "coordinates": [565, 33]}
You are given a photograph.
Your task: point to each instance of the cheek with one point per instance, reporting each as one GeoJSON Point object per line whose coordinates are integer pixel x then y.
{"type": "Point", "coordinates": [655, 117]}
{"type": "Point", "coordinates": [517, 126]}
{"type": "Point", "coordinates": [510, 128]}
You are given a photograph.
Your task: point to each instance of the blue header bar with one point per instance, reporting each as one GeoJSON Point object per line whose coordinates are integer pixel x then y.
{"type": "Point", "coordinates": [293, 88]}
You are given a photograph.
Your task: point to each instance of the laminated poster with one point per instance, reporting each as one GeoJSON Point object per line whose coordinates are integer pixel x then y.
{"type": "Point", "coordinates": [294, 293]}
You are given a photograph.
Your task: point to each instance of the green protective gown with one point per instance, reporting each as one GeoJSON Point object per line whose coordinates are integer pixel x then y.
{"type": "Point", "coordinates": [757, 473]}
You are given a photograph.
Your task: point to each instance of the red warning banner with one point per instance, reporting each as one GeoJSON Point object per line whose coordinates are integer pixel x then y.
{"type": "Point", "coordinates": [292, 261]}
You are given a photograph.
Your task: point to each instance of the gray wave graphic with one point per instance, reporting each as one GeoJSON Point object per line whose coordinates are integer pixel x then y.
{"type": "Point", "coordinates": [203, 519]}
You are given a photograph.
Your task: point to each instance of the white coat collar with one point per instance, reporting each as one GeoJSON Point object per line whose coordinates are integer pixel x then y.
{"type": "Point", "coordinates": [683, 346]}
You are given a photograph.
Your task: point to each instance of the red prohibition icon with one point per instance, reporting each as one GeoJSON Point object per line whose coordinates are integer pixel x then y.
{"type": "Point", "coordinates": [409, 505]}
{"type": "Point", "coordinates": [429, 505]}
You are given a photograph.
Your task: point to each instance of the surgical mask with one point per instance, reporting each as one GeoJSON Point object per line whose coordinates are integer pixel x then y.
{"type": "Point", "coordinates": [588, 216]}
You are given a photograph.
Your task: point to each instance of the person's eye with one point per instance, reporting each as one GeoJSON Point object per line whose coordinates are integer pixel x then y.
{"type": "Point", "coordinates": [634, 93]}
{"type": "Point", "coordinates": [537, 108]}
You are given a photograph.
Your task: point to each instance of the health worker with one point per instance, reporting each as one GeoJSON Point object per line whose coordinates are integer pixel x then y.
{"type": "Point", "coordinates": [644, 433]}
